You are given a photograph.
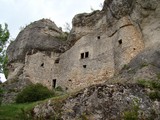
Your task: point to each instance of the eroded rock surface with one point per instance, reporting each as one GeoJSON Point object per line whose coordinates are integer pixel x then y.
{"type": "Point", "coordinates": [98, 47]}
{"type": "Point", "coordinates": [106, 102]}
{"type": "Point", "coordinates": [40, 35]}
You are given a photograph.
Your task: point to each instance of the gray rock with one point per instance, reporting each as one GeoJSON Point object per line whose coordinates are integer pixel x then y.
{"type": "Point", "coordinates": [41, 35]}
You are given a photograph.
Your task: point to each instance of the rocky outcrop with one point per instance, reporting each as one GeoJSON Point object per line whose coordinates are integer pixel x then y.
{"type": "Point", "coordinates": [42, 35]}
{"type": "Point", "coordinates": [99, 46]}
{"type": "Point", "coordinates": [111, 102]}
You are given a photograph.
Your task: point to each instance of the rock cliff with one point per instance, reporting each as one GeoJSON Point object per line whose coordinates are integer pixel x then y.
{"type": "Point", "coordinates": [119, 44]}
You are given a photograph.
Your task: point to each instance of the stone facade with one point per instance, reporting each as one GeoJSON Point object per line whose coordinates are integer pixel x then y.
{"type": "Point", "coordinates": [99, 45]}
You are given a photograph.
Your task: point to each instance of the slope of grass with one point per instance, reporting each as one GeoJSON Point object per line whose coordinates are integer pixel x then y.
{"type": "Point", "coordinates": [23, 111]}
{"type": "Point", "coordinates": [14, 111]}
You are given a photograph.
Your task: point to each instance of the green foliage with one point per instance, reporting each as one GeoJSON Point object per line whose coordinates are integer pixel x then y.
{"type": "Point", "coordinates": [155, 95]}
{"type": "Point", "coordinates": [132, 114]}
{"type": "Point", "coordinates": [144, 83]}
{"type": "Point", "coordinates": [34, 93]}
{"type": "Point", "coordinates": [63, 36]}
{"type": "Point", "coordinates": [158, 76]}
{"type": "Point", "coordinates": [154, 85]}
{"type": "Point", "coordinates": [4, 35]}
{"type": "Point", "coordinates": [16, 111]}
{"type": "Point", "coordinates": [59, 88]}
{"type": "Point", "coordinates": [144, 64]}
{"type": "Point", "coordinates": [125, 67]}
{"type": "Point", "coordinates": [1, 92]}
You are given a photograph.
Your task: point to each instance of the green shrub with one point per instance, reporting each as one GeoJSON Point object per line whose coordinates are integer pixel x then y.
{"type": "Point", "coordinates": [155, 85]}
{"type": "Point", "coordinates": [1, 92]}
{"type": "Point", "coordinates": [132, 114]}
{"type": "Point", "coordinates": [158, 75]}
{"type": "Point", "coordinates": [155, 95]}
{"type": "Point", "coordinates": [144, 83]}
{"type": "Point", "coordinates": [59, 88]}
{"type": "Point", "coordinates": [34, 93]}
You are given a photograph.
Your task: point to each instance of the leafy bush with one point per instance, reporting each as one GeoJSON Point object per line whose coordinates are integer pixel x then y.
{"type": "Point", "coordinates": [34, 93]}
{"type": "Point", "coordinates": [154, 85]}
{"type": "Point", "coordinates": [144, 83]}
{"type": "Point", "coordinates": [1, 92]}
{"type": "Point", "coordinates": [155, 95]}
{"type": "Point", "coordinates": [132, 114]}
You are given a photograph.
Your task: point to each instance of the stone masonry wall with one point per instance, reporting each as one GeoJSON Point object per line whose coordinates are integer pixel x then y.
{"type": "Point", "coordinates": [38, 68]}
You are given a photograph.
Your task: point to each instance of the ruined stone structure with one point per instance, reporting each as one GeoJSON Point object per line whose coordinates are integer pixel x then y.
{"type": "Point", "coordinates": [98, 46]}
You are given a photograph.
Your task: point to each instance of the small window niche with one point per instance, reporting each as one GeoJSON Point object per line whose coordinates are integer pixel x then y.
{"type": "Point", "coordinates": [54, 83]}
{"type": "Point", "coordinates": [42, 65]}
{"type": "Point", "coordinates": [82, 55]}
{"type": "Point", "coordinates": [98, 37]}
{"type": "Point", "coordinates": [86, 54]}
{"type": "Point", "coordinates": [57, 61]}
{"type": "Point", "coordinates": [84, 66]}
{"type": "Point", "coordinates": [120, 42]}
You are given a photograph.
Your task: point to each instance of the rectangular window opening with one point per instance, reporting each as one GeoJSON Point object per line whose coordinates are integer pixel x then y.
{"type": "Point", "coordinates": [54, 83]}
{"type": "Point", "coordinates": [86, 54]}
{"type": "Point", "coordinates": [98, 37]}
{"type": "Point", "coordinates": [120, 41]}
{"type": "Point", "coordinates": [82, 55]}
{"type": "Point", "coordinates": [84, 66]}
{"type": "Point", "coordinates": [57, 60]}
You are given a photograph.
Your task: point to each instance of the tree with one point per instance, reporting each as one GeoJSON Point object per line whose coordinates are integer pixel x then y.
{"type": "Point", "coordinates": [67, 27]}
{"type": "Point", "coordinates": [4, 36]}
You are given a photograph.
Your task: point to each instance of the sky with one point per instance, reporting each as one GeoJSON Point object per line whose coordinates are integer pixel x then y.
{"type": "Point", "coordinates": [19, 13]}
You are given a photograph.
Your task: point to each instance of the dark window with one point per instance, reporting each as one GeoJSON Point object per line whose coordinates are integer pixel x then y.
{"type": "Point", "coordinates": [120, 41]}
{"type": "Point", "coordinates": [54, 83]}
{"type": "Point", "coordinates": [98, 37]}
{"type": "Point", "coordinates": [42, 65]}
{"type": "Point", "coordinates": [82, 55]}
{"type": "Point", "coordinates": [86, 54]}
{"type": "Point", "coordinates": [84, 66]}
{"type": "Point", "coordinates": [70, 80]}
{"type": "Point", "coordinates": [57, 60]}
{"type": "Point", "coordinates": [134, 48]}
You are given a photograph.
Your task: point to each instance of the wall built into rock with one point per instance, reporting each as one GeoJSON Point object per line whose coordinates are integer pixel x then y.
{"type": "Point", "coordinates": [99, 45]}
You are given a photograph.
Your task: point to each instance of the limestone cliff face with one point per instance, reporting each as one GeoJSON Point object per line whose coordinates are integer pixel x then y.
{"type": "Point", "coordinates": [39, 35]}
{"type": "Point", "coordinates": [99, 45]}
{"type": "Point", "coordinates": [32, 51]}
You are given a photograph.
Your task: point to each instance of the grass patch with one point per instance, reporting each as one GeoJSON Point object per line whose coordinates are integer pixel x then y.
{"type": "Point", "coordinates": [23, 111]}
{"type": "Point", "coordinates": [15, 111]}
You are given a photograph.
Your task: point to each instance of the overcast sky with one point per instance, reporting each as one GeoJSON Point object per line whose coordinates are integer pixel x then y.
{"type": "Point", "coordinates": [19, 13]}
